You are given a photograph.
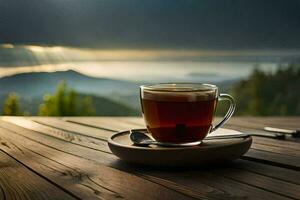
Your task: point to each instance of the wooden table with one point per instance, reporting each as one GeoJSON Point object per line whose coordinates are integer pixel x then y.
{"type": "Point", "coordinates": [68, 158]}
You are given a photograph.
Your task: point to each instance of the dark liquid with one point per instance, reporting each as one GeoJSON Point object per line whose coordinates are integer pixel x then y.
{"type": "Point", "coordinates": [178, 122]}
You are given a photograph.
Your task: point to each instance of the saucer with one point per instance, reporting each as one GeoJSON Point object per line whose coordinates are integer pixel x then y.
{"type": "Point", "coordinates": [208, 152]}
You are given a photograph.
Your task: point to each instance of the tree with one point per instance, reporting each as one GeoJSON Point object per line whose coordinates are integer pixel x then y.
{"type": "Point", "coordinates": [72, 101]}
{"type": "Point", "coordinates": [87, 107]}
{"type": "Point", "coordinates": [66, 102]}
{"type": "Point", "coordinates": [48, 108]}
{"type": "Point", "coordinates": [269, 93]}
{"type": "Point", "coordinates": [12, 105]}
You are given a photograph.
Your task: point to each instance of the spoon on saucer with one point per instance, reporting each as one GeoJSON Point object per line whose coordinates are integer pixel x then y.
{"type": "Point", "coordinates": [141, 139]}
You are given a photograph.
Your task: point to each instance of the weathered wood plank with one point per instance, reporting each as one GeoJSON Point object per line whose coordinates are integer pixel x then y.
{"type": "Point", "coordinates": [72, 137]}
{"type": "Point", "coordinates": [57, 143]}
{"type": "Point", "coordinates": [279, 173]}
{"type": "Point", "coordinates": [260, 152]}
{"type": "Point", "coordinates": [269, 170]}
{"type": "Point", "coordinates": [240, 124]}
{"type": "Point", "coordinates": [254, 177]}
{"type": "Point", "coordinates": [276, 186]}
{"type": "Point", "coordinates": [106, 123]}
{"type": "Point", "coordinates": [238, 185]}
{"type": "Point", "coordinates": [281, 154]}
{"type": "Point", "coordinates": [90, 154]}
{"type": "Point", "coordinates": [275, 149]}
{"type": "Point", "coordinates": [82, 177]}
{"type": "Point", "coordinates": [18, 182]}
{"type": "Point", "coordinates": [75, 173]}
{"type": "Point", "coordinates": [219, 180]}
{"type": "Point", "coordinates": [260, 122]}
{"type": "Point", "coordinates": [72, 127]}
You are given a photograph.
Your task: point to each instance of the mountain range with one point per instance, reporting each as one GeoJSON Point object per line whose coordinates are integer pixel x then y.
{"type": "Point", "coordinates": [107, 94]}
{"type": "Point", "coordinates": [40, 83]}
{"type": "Point", "coordinates": [110, 96]}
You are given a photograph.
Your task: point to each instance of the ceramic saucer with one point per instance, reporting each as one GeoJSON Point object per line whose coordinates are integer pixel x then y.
{"type": "Point", "coordinates": [208, 152]}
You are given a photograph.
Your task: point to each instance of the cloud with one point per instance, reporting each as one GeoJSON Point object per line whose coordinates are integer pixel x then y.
{"type": "Point", "coordinates": [188, 24]}
{"type": "Point", "coordinates": [29, 55]}
{"type": "Point", "coordinates": [7, 46]}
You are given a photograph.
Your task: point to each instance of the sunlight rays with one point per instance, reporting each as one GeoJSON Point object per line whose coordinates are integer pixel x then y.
{"type": "Point", "coordinates": [135, 64]}
{"type": "Point", "coordinates": [55, 54]}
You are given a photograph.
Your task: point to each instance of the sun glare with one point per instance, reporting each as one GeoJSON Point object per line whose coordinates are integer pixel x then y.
{"type": "Point", "coordinates": [65, 54]}
{"type": "Point", "coordinates": [7, 46]}
{"type": "Point", "coordinates": [35, 49]}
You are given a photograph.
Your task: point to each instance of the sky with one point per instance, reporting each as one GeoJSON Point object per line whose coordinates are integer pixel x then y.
{"type": "Point", "coordinates": [155, 24]}
{"type": "Point", "coordinates": [50, 35]}
{"type": "Point", "coordinates": [131, 64]}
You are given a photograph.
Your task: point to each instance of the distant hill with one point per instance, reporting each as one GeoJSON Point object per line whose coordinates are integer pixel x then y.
{"type": "Point", "coordinates": [110, 96]}
{"type": "Point", "coordinates": [108, 107]}
{"type": "Point", "coordinates": [39, 83]}
{"type": "Point", "coordinates": [102, 105]}
{"type": "Point", "coordinates": [33, 86]}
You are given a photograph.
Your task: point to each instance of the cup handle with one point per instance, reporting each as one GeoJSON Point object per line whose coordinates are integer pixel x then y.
{"type": "Point", "coordinates": [229, 113]}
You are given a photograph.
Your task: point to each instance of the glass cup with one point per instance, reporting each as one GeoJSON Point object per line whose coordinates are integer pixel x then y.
{"type": "Point", "coordinates": [182, 113]}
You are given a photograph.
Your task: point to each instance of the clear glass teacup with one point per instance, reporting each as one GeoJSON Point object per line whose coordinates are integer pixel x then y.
{"type": "Point", "coordinates": [182, 113]}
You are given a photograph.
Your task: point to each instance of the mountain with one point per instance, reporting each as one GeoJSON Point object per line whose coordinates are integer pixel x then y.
{"type": "Point", "coordinates": [103, 106]}
{"type": "Point", "coordinates": [120, 96]}
{"type": "Point", "coordinates": [39, 83]}
{"type": "Point", "coordinates": [108, 107]}
{"type": "Point", "coordinates": [34, 85]}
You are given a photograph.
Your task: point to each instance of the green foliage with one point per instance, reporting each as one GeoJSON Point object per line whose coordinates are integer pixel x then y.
{"type": "Point", "coordinates": [262, 94]}
{"type": "Point", "coordinates": [66, 102]}
{"type": "Point", "coordinates": [86, 106]}
{"type": "Point", "coordinates": [107, 107]}
{"type": "Point", "coordinates": [269, 93]}
{"type": "Point", "coordinates": [12, 105]}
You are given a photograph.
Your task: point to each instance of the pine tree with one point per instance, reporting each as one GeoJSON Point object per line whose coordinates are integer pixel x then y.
{"type": "Point", "coordinates": [12, 105]}
{"type": "Point", "coordinates": [66, 102]}
{"type": "Point", "coordinates": [87, 107]}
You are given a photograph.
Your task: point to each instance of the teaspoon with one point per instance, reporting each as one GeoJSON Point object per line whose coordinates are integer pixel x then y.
{"type": "Point", "coordinates": [141, 139]}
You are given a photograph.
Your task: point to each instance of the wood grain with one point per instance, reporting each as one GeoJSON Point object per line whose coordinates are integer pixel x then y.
{"type": "Point", "coordinates": [18, 182]}
{"type": "Point", "coordinates": [260, 122]}
{"type": "Point", "coordinates": [260, 151]}
{"type": "Point", "coordinates": [72, 137]}
{"type": "Point", "coordinates": [107, 159]}
{"type": "Point", "coordinates": [105, 123]}
{"type": "Point", "coordinates": [276, 186]}
{"type": "Point", "coordinates": [242, 189]}
{"type": "Point", "coordinates": [82, 177]}
{"type": "Point", "coordinates": [87, 153]}
{"type": "Point", "coordinates": [72, 127]}
{"type": "Point", "coordinates": [282, 153]}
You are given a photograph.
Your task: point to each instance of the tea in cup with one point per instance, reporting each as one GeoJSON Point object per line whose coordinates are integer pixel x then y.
{"type": "Point", "coordinates": [182, 113]}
